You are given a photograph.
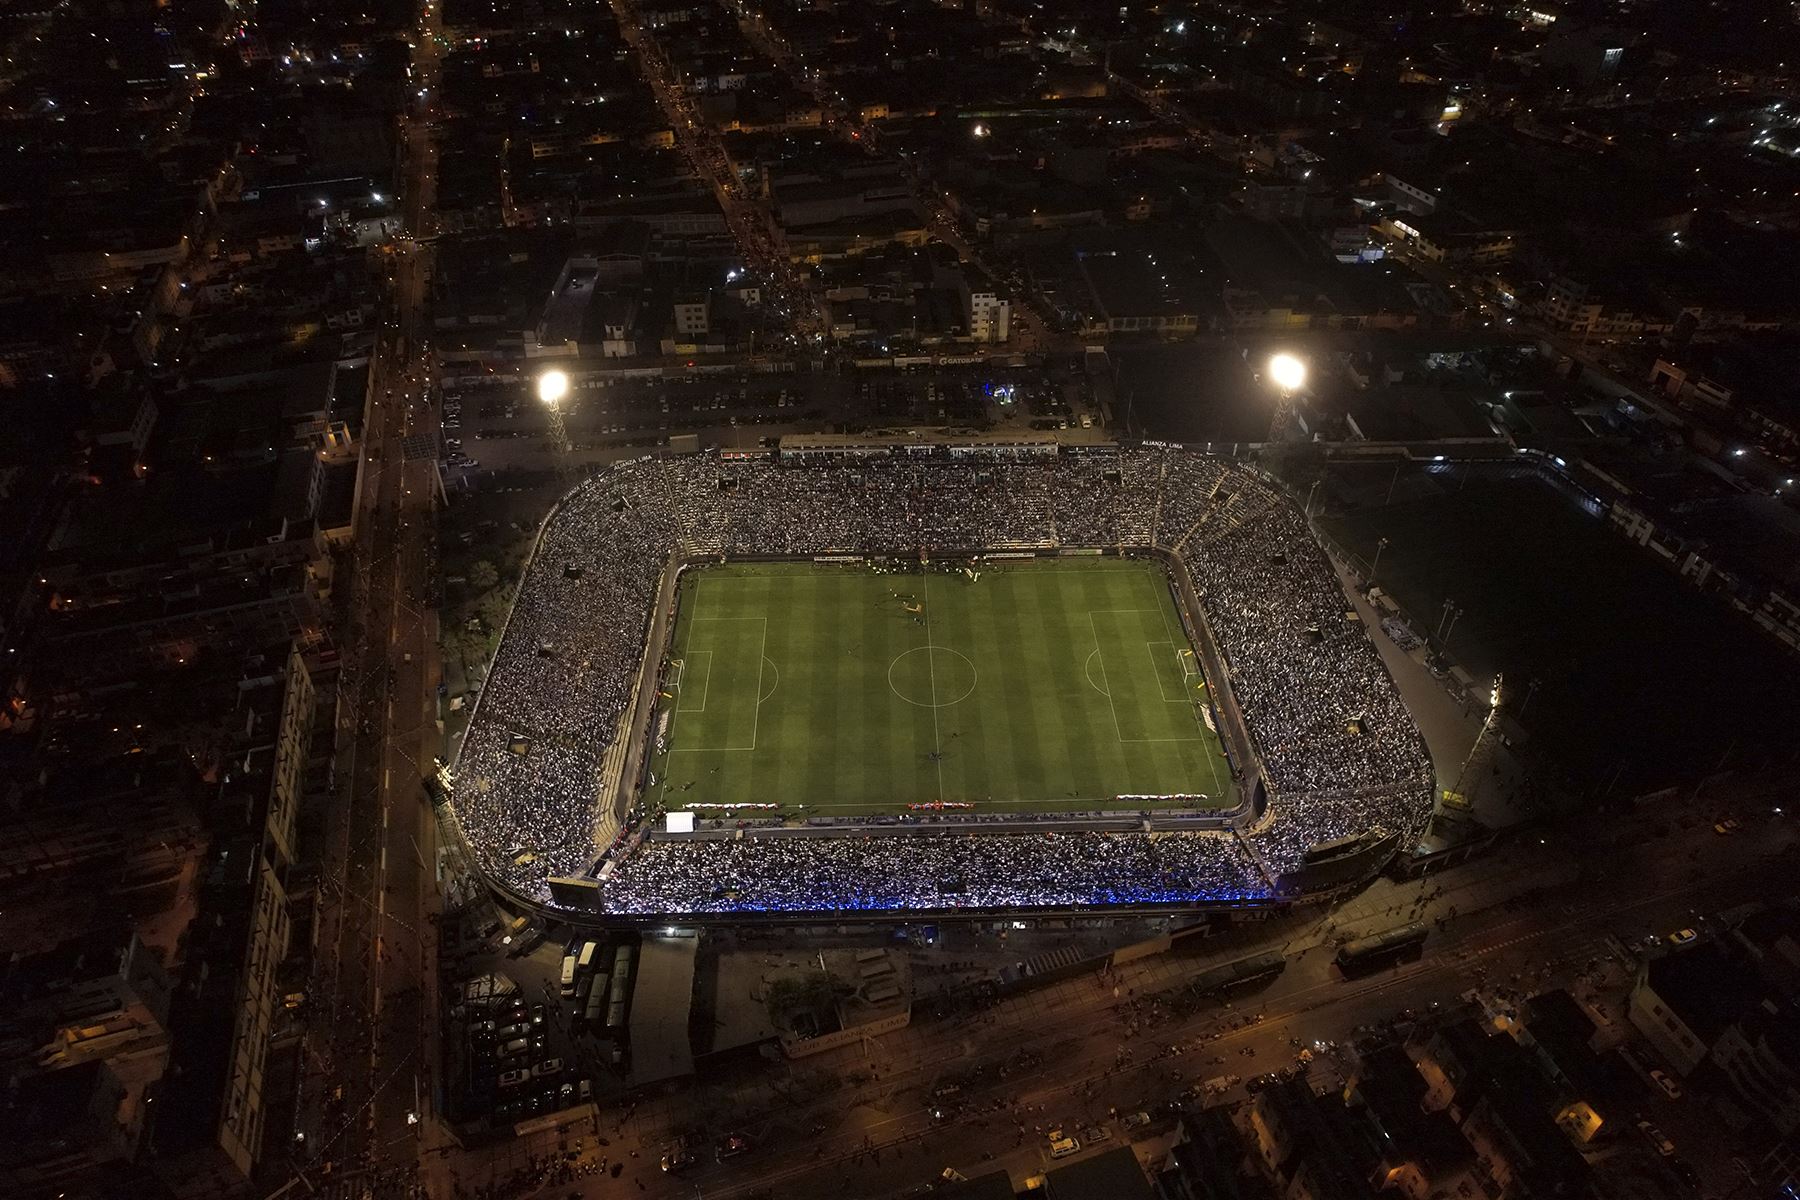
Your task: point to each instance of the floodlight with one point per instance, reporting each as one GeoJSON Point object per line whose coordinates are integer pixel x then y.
{"type": "Point", "coordinates": [1288, 372]}
{"type": "Point", "coordinates": [552, 386]}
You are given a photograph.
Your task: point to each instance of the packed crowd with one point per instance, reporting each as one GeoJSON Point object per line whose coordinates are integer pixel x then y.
{"type": "Point", "coordinates": [1334, 739]}
{"type": "Point", "coordinates": [962, 870]}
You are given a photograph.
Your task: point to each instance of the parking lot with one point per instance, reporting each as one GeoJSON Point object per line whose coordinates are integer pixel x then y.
{"type": "Point", "coordinates": [501, 426]}
{"type": "Point", "coordinates": [521, 1050]}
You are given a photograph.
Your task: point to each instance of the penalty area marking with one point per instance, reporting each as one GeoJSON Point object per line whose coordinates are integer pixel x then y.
{"type": "Point", "coordinates": [1118, 730]}
{"type": "Point", "coordinates": [762, 659]}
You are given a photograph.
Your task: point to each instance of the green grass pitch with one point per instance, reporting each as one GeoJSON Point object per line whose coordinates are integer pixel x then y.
{"type": "Point", "coordinates": [1040, 686]}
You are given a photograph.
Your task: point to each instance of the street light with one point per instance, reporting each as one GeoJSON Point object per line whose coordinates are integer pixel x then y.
{"type": "Point", "coordinates": [552, 386]}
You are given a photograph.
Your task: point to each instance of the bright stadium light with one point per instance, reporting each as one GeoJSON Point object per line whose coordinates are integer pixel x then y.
{"type": "Point", "coordinates": [1288, 372]}
{"type": "Point", "coordinates": [552, 386]}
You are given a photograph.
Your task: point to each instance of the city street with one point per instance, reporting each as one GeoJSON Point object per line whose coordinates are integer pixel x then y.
{"type": "Point", "coordinates": [371, 1058]}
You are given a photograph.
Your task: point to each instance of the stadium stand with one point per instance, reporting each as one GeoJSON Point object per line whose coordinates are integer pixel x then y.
{"type": "Point", "coordinates": [1337, 750]}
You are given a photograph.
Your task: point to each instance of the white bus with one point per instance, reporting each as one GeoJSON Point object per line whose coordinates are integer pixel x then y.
{"type": "Point", "coordinates": [568, 976]}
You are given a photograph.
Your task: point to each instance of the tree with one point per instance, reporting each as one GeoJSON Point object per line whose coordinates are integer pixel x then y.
{"type": "Point", "coordinates": [483, 576]}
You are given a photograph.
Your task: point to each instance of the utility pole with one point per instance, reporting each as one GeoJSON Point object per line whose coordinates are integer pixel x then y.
{"type": "Point", "coordinates": [1376, 565]}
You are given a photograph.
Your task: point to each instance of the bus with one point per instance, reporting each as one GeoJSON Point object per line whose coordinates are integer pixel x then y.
{"type": "Point", "coordinates": [1380, 949]}
{"type": "Point", "coordinates": [1240, 973]}
{"type": "Point", "coordinates": [587, 957]}
{"type": "Point", "coordinates": [568, 976]}
{"type": "Point", "coordinates": [595, 1011]}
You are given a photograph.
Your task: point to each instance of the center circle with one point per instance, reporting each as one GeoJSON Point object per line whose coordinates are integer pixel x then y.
{"type": "Point", "coordinates": [931, 676]}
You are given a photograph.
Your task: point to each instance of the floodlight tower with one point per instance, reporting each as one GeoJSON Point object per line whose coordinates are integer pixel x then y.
{"type": "Point", "coordinates": [1288, 374]}
{"type": "Point", "coordinates": [1459, 801]}
{"type": "Point", "coordinates": [552, 390]}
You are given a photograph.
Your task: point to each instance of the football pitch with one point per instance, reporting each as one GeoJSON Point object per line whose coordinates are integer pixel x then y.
{"type": "Point", "coordinates": [840, 690]}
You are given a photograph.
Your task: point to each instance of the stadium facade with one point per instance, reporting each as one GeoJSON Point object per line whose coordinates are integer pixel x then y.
{"type": "Point", "coordinates": [549, 784]}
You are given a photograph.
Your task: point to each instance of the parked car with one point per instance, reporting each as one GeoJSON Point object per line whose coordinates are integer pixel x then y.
{"type": "Point", "coordinates": [1682, 937]}
{"type": "Point", "coordinates": [731, 1146]}
{"type": "Point", "coordinates": [1670, 1088]}
{"type": "Point", "coordinates": [549, 1067]}
{"type": "Point", "coordinates": [1657, 1138]}
{"type": "Point", "coordinates": [676, 1161]}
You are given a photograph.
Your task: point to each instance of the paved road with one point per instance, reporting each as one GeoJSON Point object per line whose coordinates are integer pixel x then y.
{"type": "Point", "coordinates": [372, 1040]}
{"type": "Point", "coordinates": [758, 237]}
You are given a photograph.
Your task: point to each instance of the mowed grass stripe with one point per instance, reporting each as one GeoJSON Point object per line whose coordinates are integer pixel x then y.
{"type": "Point", "coordinates": [1097, 765]}
{"type": "Point", "coordinates": [1034, 734]}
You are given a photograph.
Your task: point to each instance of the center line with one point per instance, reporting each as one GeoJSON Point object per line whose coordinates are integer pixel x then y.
{"type": "Point", "coordinates": [937, 745]}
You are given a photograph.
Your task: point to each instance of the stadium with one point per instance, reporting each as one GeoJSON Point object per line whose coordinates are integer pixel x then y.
{"type": "Point", "coordinates": [916, 678]}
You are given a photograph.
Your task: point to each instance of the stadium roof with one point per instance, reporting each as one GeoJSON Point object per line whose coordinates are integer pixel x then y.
{"type": "Point", "coordinates": [659, 1009]}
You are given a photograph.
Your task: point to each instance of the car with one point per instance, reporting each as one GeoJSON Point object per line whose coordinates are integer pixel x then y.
{"type": "Point", "coordinates": [1136, 1120]}
{"type": "Point", "coordinates": [509, 1032]}
{"type": "Point", "coordinates": [513, 1078]}
{"type": "Point", "coordinates": [1726, 827]}
{"type": "Point", "coordinates": [538, 1014]}
{"type": "Point", "coordinates": [587, 1088]}
{"type": "Point", "coordinates": [549, 1067]}
{"type": "Point", "coordinates": [514, 1047]}
{"type": "Point", "coordinates": [1093, 1135]}
{"type": "Point", "coordinates": [1669, 1087]}
{"type": "Point", "coordinates": [566, 1094]}
{"type": "Point", "coordinates": [1656, 1138]}
{"type": "Point", "coordinates": [1063, 1147]}
{"type": "Point", "coordinates": [1682, 937]}
{"type": "Point", "coordinates": [731, 1146]}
